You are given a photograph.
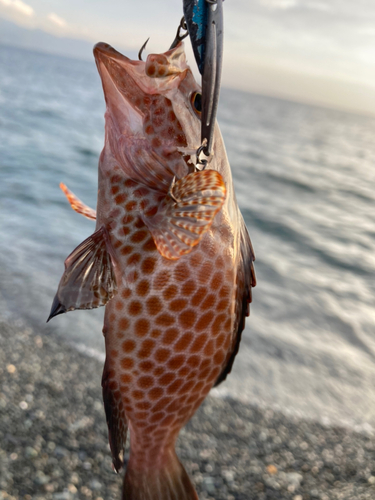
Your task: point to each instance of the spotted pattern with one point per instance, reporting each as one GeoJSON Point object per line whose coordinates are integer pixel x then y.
{"type": "Point", "coordinates": [167, 325]}
{"type": "Point", "coordinates": [171, 329]}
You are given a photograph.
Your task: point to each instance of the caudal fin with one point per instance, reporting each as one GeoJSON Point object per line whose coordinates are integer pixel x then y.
{"type": "Point", "coordinates": [161, 482]}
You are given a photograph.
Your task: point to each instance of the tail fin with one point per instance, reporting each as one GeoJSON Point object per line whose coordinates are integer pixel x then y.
{"type": "Point", "coordinates": [162, 482]}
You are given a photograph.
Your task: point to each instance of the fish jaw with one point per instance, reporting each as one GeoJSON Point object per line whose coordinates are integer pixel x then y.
{"type": "Point", "coordinates": [115, 72]}
{"type": "Point", "coordinates": [150, 118]}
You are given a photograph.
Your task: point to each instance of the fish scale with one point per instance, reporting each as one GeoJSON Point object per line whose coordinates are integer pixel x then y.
{"type": "Point", "coordinates": [170, 259]}
{"type": "Point", "coordinates": [154, 360]}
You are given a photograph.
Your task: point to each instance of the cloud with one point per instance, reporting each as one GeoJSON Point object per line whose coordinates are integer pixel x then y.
{"type": "Point", "coordinates": [19, 6]}
{"type": "Point", "coordinates": [54, 18]}
{"type": "Point", "coordinates": [279, 4]}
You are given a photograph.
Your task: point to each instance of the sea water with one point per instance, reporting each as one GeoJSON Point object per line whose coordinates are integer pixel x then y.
{"type": "Point", "coordinates": [305, 182]}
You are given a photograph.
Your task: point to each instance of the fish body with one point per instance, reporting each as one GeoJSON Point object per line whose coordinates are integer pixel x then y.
{"type": "Point", "coordinates": [170, 258]}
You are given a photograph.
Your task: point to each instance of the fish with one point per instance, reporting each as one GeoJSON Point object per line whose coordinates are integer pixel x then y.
{"type": "Point", "coordinates": [170, 259]}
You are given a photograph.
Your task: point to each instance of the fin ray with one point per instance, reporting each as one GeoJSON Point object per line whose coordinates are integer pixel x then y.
{"type": "Point", "coordinates": [89, 280]}
{"type": "Point", "coordinates": [184, 217]}
{"type": "Point", "coordinates": [77, 205]}
{"type": "Point", "coordinates": [116, 421]}
{"type": "Point", "coordinates": [246, 280]}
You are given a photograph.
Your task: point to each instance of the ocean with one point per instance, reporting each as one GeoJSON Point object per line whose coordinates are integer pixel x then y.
{"type": "Point", "coordinates": [304, 178]}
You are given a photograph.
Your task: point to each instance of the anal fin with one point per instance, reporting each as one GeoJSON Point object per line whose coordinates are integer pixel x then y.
{"type": "Point", "coordinates": [116, 420]}
{"type": "Point", "coordinates": [89, 280]}
{"type": "Point", "coordinates": [186, 213]}
{"type": "Point", "coordinates": [77, 205]}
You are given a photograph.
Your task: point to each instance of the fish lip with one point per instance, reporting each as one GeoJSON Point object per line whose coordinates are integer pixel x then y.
{"type": "Point", "coordinates": [103, 51]}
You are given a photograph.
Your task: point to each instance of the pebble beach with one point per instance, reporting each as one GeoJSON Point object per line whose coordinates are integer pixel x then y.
{"type": "Point", "coordinates": [53, 438]}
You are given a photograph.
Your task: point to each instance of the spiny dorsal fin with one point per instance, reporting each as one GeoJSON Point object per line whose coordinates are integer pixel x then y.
{"type": "Point", "coordinates": [89, 280]}
{"type": "Point", "coordinates": [246, 280]}
{"type": "Point", "coordinates": [77, 205]}
{"type": "Point", "coordinates": [187, 213]}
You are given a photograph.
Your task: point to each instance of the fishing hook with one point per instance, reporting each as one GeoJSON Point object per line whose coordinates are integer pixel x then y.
{"type": "Point", "coordinates": [142, 49]}
{"type": "Point", "coordinates": [179, 37]}
{"type": "Point", "coordinates": [202, 162]}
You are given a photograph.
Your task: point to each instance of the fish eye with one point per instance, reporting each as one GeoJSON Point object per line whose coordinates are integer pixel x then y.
{"type": "Point", "coordinates": [196, 101]}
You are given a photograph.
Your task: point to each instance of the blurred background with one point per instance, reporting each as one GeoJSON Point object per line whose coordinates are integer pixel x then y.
{"type": "Point", "coordinates": [297, 114]}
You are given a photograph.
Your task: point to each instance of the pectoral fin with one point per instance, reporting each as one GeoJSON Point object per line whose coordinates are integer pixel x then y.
{"type": "Point", "coordinates": [89, 280]}
{"type": "Point", "coordinates": [77, 204]}
{"type": "Point", "coordinates": [186, 213]}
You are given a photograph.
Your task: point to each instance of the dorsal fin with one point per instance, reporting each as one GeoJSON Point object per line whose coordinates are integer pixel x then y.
{"type": "Point", "coordinates": [89, 280]}
{"type": "Point", "coordinates": [246, 280]}
{"type": "Point", "coordinates": [186, 213]}
{"type": "Point", "coordinates": [77, 205]}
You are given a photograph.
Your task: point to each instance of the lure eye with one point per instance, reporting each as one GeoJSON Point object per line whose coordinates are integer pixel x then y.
{"type": "Point", "coordinates": [196, 101]}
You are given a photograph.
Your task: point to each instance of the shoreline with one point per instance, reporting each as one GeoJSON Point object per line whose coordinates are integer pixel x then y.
{"type": "Point", "coordinates": [53, 438]}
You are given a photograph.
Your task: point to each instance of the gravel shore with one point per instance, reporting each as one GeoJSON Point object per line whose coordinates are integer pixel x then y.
{"type": "Point", "coordinates": [53, 438]}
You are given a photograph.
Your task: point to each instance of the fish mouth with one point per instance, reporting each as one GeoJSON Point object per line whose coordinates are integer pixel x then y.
{"type": "Point", "coordinates": [120, 79]}
{"type": "Point", "coordinates": [128, 84]}
{"type": "Point", "coordinates": [160, 72]}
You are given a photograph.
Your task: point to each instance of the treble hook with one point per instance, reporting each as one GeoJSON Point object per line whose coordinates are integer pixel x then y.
{"type": "Point", "coordinates": [179, 37]}
{"type": "Point", "coordinates": [142, 49]}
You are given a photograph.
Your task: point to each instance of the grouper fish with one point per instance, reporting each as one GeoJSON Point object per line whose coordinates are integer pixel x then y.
{"type": "Point", "coordinates": [171, 260]}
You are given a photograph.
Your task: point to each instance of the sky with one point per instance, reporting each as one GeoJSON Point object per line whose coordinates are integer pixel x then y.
{"type": "Point", "coordinates": [315, 51]}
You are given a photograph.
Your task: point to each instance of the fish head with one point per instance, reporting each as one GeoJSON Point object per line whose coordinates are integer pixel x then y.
{"type": "Point", "coordinates": [153, 113]}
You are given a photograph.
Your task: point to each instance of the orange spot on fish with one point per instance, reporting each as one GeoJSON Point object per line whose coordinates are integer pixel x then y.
{"type": "Point", "coordinates": [199, 296]}
{"type": "Point", "coordinates": [148, 265]}
{"type": "Point", "coordinates": [126, 378]}
{"type": "Point", "coordinates": [139, 236]}
{"type": "Point", "coordinates": [126, 250]}
{"type": "Point", "coordinates": [199, 343]}
{"type": "Point", "coordinates": [131, 205]}
{"type": "Point", "coordinates": [217, 281]}
{"type": "Point", "coordinates": [123, 323]}
{"type": "Point", "coordinates": [154, 305]}
{"type": "Point", "coordinates": [146, 348]}
{"type": "Point", "coordinates": [204, 321]}
{"type": "Point", "coordinates": [218, 323]}
{"type": "Point", "coordinates": [170, 336]}
{"type": "Point", "coordinates": [167, 378]}
{"type": "Point", "coordinates": [183, 343]}
{"type": "Point", "coordinates": [135, 308]}
{"type": "Point", "coordinates": [177, 305]}
{"type": "Point", "coordinates": [193, 361]}
{"type": "Point", "coordinates": [130, 184]}
{"type": "Point", "coordinates": [155, 334]}
{"type": "Point", "coordinates": [176, 362]}
{"type": "Point", "coordinates": [127, 363]}
{"type": "Point", "coordinates": [187, 318]}
{"type": "Point", "coordinates": [128, 346]}
{"type": "Point", "coordinates": [138, 394]}
{"type": "Point", "coordinates": [120, 198]}
{"type": "Point", "coordinates": [145, 382]}
{"type": "Point", "coordinates": [162, 355]}
{"type": "Point", "coordinates": [170, 292]}
{"type": "Point", "coordinates": [126, 293]}
{"type": "Point", "coordinates": [155, 393]}
{"type": "Point", "coordinates": [188, 288]}
{"type": "Point", "coordinates": [149, 246]}
{"type": "Point", "coordinates": [164, 320]}
{"type": "Point", "coordinates": [134, 259]}
{"type": "Point", "coordinates": [208, 303]}
{"type": "Point", "coordinates": [146, 366]}
{"type": "Point", "coordinates": [143, 288]}
{"type": "Point", "coordinates": [142, 327]}
{"type": "Point", "coordinates": [219, 357]}
{"type": "Point", "coordinates": [119, 305]}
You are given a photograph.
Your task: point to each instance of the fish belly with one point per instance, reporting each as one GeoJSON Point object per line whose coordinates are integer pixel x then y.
{"type": "Point", "coordinates": [168, 331]}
